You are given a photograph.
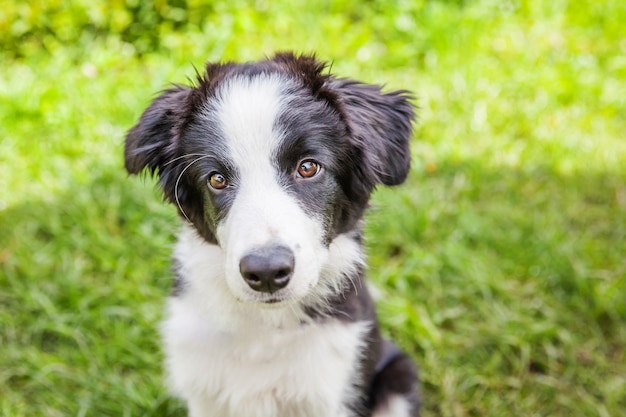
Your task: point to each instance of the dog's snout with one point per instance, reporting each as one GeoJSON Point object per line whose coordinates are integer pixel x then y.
{"type": "Point", "coordinates": [267, 269]}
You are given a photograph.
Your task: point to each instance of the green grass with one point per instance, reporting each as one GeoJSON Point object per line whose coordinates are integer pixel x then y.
{"type": "Point", "coordinates": [502, 261]}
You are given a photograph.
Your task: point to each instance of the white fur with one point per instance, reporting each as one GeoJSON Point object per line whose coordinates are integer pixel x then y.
{"type": "Point", "coordinates": [228, 358]}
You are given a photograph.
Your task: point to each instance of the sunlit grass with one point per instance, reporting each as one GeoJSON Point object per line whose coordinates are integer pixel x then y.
{"type": "Point", "coordinates": [501, 261]}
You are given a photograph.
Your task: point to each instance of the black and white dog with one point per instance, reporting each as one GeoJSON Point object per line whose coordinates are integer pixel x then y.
{"type": "Point", "coordinates": [271, 165]}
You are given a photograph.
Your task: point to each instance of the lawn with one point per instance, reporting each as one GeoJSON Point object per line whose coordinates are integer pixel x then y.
{"type": "Point", "coordinates": [501, 263]}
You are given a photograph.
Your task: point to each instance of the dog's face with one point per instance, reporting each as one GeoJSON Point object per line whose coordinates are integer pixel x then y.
{"type": "Point", "coordinates": [272, 161]}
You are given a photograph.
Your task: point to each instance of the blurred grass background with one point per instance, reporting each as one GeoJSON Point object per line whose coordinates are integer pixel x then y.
{"type": "Point", "coordinates": [502, 261]}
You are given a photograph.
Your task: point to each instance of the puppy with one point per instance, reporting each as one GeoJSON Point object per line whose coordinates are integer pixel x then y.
{"type": "Point", "coordinates": [271, 165]}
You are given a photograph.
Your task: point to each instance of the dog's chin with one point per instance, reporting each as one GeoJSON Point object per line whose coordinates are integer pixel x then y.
{"type": "Point", "coordinates": [270, 301]}
{"type": "Point", "coordinates": [275, 303]}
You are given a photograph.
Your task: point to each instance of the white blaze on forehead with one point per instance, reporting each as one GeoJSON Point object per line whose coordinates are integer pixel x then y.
{"type": "Point", "coordinates": [247, 110]}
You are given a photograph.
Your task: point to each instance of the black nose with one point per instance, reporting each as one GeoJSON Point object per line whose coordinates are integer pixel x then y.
{"type": "Point", "coordinates": [267, 269]}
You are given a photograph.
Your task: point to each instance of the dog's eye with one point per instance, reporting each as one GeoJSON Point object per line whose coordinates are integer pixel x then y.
{"type": "Point", "coordinates": [308, 168]}
{"type": "Point", "coordinates": [217, 181]}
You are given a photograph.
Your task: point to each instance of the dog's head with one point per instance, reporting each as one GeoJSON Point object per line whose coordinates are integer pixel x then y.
{"type": "Point", "coordinates": [272, 161]}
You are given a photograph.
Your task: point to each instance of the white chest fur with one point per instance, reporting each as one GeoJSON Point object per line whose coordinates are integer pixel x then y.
{"type": "Point", "coordinates": [305, 371]}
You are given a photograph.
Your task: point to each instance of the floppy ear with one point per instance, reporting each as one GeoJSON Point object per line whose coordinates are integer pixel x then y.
{"type": "Point", "coordinates": [380, 125]}
{"type": "Point", "coordinates": [149, 144]}
{"type": "Point", "coordinates": [152, 145]}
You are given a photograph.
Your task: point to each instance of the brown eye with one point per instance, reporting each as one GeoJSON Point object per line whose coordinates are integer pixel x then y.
{"type": "Point", "coordinates": [217, 181]}
{"type": "Point", "coordinates": [308, 168]}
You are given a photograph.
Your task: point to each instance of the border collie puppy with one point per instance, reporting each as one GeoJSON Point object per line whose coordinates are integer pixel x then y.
{"type": "Point", "coordinates": [271, 165]}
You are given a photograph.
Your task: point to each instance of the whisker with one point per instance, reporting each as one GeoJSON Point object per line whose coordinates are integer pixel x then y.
{"type": "Point", "coordinates": [294, 310]}
{"type": "Point", "coordinates": [178, 181]}
{"type": "Point", "coordinates": [185, 156]}
{"type": "Point", "coordinates": [351, 279]}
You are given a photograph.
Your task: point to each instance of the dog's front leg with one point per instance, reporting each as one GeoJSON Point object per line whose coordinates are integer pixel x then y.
{"type": "Point", "coordinates": [394, 391]}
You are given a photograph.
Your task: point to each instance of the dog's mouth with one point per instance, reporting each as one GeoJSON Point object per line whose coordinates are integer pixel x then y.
{"type": "Point", "coordinates": [271, 301]}
{"type": "Point", "coordinates": [274, 301]}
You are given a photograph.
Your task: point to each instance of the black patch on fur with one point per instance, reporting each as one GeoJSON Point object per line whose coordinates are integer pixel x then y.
{"type": "Point", "coordinates": [356, 304]}
{"type": "Point", "coordinates": [204, 143]}
{"type": "Point", "coordinates": [313, 130]}
{"type": "Point", "coordinates": [380, 126]}
{"type": "Point", "coordinates": [154, 144]}
{"type": "Point", "coordinates": [365, 132]}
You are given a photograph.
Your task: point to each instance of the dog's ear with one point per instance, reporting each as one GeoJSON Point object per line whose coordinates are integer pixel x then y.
{"type": "Point", "coordinates": [380, 124]}
{"type": "Point", "coordinates": [152, 145]}
{"type": "Point", "coordinates": [150, 141]}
